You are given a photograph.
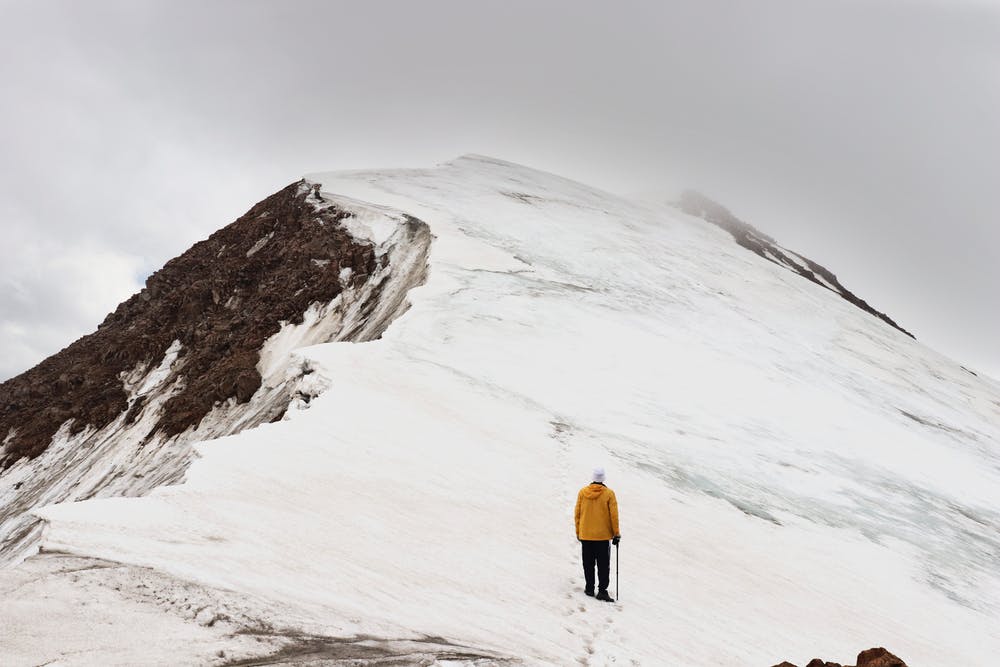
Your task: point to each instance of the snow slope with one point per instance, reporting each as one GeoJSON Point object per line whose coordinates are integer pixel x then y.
{"type": "Point", "coordinates": [794, 476]}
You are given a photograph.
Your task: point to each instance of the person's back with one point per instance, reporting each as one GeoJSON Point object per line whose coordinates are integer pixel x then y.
{"type": "Point", "coordinates": [596, 519]}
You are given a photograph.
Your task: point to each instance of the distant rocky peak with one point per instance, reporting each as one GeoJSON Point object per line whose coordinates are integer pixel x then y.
{"type": "Point", "coordinates": [698, 205]}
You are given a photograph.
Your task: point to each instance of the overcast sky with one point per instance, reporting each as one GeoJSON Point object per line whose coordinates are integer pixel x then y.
{"type": "Point", "coordinates": [865, 135]}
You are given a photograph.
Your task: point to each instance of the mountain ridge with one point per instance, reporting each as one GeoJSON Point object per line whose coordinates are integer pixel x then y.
{"type": "Point", "coordinates": [746, 235]}
{"type": "Point", "coordinates": [782, 460]}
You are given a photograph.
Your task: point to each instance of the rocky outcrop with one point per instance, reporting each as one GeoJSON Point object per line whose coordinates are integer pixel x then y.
{"type": "Point", "coordinates": [873, 657]}
{"type": "Point", "coordinates": [221, 300]}
{"type": "Point", "coordinates": [201, 352]}
{"type": "Point", "coordinates": [746, 235]}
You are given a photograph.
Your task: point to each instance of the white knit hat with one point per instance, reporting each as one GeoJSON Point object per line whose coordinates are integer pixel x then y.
{"type": "Point", "coordinates": [599, 474]}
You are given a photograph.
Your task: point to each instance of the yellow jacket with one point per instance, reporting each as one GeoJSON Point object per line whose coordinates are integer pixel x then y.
{"type": "Point", "coordinates": [596, 513]}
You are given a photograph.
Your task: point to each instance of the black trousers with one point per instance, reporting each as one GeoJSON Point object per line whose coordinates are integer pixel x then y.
{"type": "Point", "coordinates": [597, 552]}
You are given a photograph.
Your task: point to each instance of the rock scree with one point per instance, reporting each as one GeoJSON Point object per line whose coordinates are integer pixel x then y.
{"type": "Point", "coordinates": [221, 300]}
{"type": "Point", "coordinates": [873, 657]}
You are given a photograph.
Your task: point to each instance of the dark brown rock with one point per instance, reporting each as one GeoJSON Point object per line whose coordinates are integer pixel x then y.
{"type": "Point", "coordinates": [873, 657]}
{"type": "Point", "coordinates": [221, 299]}
{"type": "Point", "coordinates": [878, 657]}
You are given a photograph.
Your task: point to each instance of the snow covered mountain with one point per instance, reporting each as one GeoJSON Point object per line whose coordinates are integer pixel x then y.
{"type": "Point", "coordinates": [795, 475]}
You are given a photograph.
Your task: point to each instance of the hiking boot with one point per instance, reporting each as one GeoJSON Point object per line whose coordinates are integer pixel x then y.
{"type": "Point", "coordinates": [603, 595]}
{"type": "Point", "coordinates": [588, 592]}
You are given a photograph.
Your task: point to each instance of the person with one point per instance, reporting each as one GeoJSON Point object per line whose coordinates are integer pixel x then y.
{"type": "Point", "coordinates": [596, 518]}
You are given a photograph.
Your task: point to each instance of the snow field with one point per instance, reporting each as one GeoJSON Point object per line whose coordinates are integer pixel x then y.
{"type": "Point", "coordinates": [776, 500]}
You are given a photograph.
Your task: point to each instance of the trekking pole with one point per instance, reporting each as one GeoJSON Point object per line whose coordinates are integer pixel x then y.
{"type": "Point", "coordinates": [618, 592]}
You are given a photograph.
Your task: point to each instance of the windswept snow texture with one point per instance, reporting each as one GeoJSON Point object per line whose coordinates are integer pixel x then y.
{"type": "Point", "coordinates": [794, 477]}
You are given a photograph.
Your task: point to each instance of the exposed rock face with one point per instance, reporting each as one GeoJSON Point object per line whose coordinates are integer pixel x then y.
{"type": "Point", "coordinates": [698, 205]}
{"type": "Point", "coordinates": [878, 657]}
{"type": "Point", "coordinates": [221, 299]}
{"type": "Point", "coordinates": [873, 657]}
{"type": "Point", "coordinates": [200, 352]}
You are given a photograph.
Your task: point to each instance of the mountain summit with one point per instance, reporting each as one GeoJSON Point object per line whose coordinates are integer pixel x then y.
{"type": "Point", "coordinates": [795, 476]}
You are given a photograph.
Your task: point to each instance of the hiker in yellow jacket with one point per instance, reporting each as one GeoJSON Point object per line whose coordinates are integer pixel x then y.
{"type": "Point", "coordinates": [596, 518]}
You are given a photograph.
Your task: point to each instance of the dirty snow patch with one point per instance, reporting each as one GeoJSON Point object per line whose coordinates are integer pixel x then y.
{"type": "Point", "coordinates": [259, 244]}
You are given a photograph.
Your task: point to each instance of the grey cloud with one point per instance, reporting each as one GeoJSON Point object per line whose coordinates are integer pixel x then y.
{"type": "Point", "coordinates": [863, 133]}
